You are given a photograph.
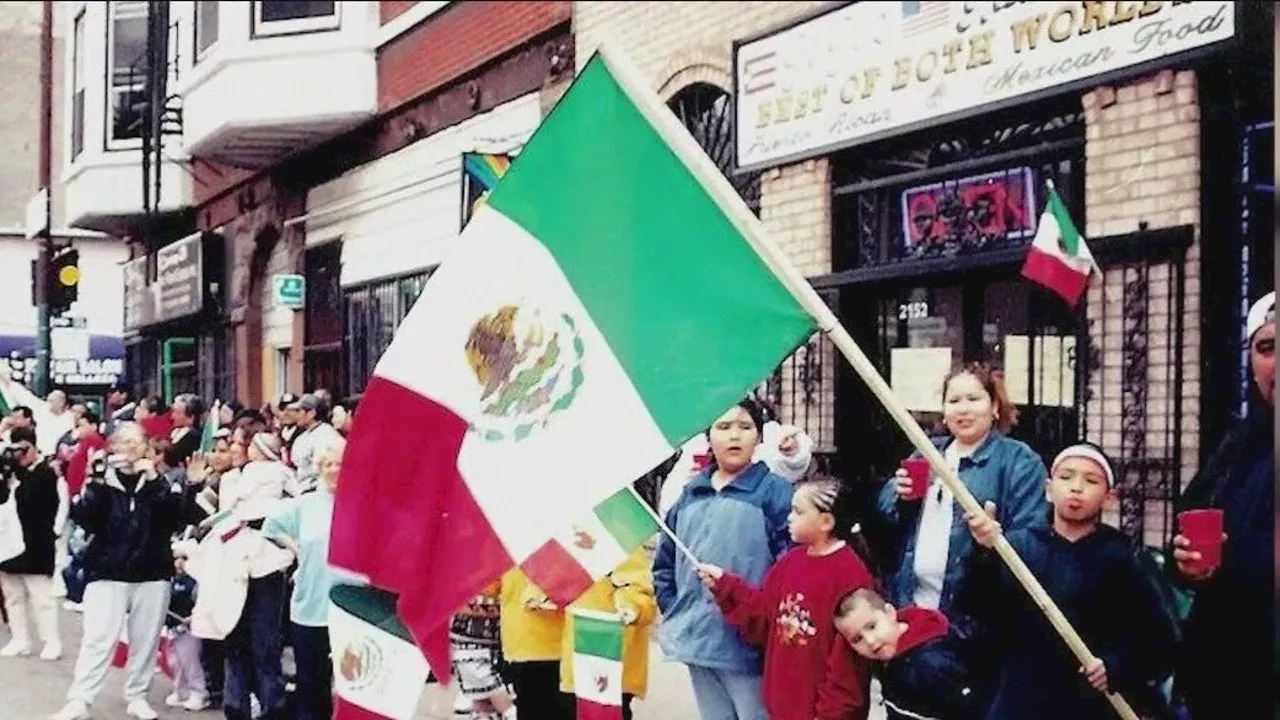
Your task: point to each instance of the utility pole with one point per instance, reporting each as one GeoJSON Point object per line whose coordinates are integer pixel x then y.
{"type": "Point", "coordinates": [44, 340]}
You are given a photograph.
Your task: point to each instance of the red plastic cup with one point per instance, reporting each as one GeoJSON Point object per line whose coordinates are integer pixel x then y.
{"type": "Point", "coordinates": [702, 461]}
{"type": "Point", "coordinates": [1203, 529]}
{"type": "Point", "coordinates": [918, 470]}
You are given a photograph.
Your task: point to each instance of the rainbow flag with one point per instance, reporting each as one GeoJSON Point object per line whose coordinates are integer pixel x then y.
{"type": "Point", "coordinates": [480, 173]}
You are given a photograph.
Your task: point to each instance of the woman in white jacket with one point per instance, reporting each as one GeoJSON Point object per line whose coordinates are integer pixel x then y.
{"type": "Point", "coordinates": [236, 561]}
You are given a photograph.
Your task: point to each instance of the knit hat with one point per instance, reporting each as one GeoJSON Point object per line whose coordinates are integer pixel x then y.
{"type": "Point", "coordinates": [1262, 313]}
{"type": "Point", "coordinates": [268, 445]}
{"type": "Point", "coordinates": [1088, 451]}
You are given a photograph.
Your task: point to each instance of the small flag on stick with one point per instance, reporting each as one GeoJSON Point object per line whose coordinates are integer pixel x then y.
{"type": "Point", "coordinates": [1059, 258]}
{"type": "Point", "coordinates": [597, 664]}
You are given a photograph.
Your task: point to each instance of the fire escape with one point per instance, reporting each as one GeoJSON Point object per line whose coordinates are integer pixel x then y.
{"type": "Point", "coordinates": [157, 109]}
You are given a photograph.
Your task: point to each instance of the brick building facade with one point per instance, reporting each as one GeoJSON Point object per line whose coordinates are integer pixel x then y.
{"type": "Point", "coordinates": [1136, 155]}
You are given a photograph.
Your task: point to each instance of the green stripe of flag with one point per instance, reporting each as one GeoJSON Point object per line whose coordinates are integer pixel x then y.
{"type": "Point", "coordinates": [372, 605]}
{"type": "Point", "coordinates": [629, 523]}
{"type": "Point", "coordinates": [1069, 236]}
{"type": "Point", "coordinates": [597, 637]}
{"type": "Point", "coordinates": [684, 302]}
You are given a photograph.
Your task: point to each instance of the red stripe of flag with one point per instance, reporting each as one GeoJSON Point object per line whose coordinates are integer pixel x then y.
{"type": "Point", "coordinates": [557, 574]}
{"type": "Point", "coordinates": [588, 710]}
{"type": "Point", "coordinates": [406, 519]}
{"type": "Point", "coordinates": [344, 710]}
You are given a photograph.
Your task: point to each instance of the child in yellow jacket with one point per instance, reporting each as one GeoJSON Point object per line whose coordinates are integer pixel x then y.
{"type": "Point", "coordinates": [627, 591]}
{"type": "Point", "coordinates": [532, 627]}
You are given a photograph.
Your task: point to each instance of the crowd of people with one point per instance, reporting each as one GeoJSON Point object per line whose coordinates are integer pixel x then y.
{"type": "Point", "coordinates": [205, 532]}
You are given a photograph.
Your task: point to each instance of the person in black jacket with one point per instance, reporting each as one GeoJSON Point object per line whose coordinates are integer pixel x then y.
{"type": "Point", "coordinates": [131, 514]}
{"type": "Point", "coordinates": [921, 659]}
{"type": "Point", "coordinates": [1225, 656]}
{"type": "Point", "coordinates": [27, 580]}
{"type": "Point", "coordinates": [1091, 572]}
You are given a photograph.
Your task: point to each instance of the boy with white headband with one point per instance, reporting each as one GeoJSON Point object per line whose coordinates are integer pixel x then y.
{"type": "Point", "coordinates": [1091, 572]}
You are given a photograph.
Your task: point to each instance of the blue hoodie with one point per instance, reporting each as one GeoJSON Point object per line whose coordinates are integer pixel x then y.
{"type": "Point", "coordinates": [741, 528]}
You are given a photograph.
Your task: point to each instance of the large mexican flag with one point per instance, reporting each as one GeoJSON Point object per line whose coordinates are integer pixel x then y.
{"type": "Point", "coordinates": [604, 306]}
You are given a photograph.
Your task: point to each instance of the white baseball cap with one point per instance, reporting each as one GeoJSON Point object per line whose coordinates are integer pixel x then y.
{"type": "Point", "coordinates": [1262, 313]}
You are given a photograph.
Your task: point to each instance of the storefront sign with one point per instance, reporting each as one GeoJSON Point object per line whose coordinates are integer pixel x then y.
{"type": "Point", "coordinates": [93, 371]}
{"type": "Point", "coordinates": [179, 283]}
{"type": "Point", "coordinates": [139, 309]}
{"type": "Point", "coordinates": [870, 69]}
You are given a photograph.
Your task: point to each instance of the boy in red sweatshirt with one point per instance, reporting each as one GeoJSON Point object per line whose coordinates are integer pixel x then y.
{"type": "Point", "coordinates": [805, 676]}
{"type": "Point", "coordinates": [919, 656]}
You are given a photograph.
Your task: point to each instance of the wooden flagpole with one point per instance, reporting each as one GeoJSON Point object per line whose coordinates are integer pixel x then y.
{"type": "Point", "coordinates": [699, 164]}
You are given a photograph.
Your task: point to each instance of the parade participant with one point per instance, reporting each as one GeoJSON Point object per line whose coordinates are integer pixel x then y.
{"type": "Point", "coordinates": [475, 647]}
{"type": "Point", "coordinates": [1091, 572]}
{"type": "Point", "coordinates": [26, 581]}
{"type": "Point", "coordinates": [1223, 653]}
{"type": "Point", "coordinates": [933, 547]}
{"type": "Point", "coordinates": [790, 615]}
{"type": "Point", "coordinates": [627, 592]}
{"type": "Point", "coordinates": [921, 659]}
{"type": "Point", "coordinates": [732, 514]}
{"type": "Point", "coordinates": [532, 628]}
{"type": "Point", "coordinates": [302, 524]}
{"type": "Point", "coordinates": [130, 514]}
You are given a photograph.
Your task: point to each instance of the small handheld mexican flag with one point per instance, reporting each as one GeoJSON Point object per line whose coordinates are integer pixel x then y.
{"type": "Point", "coordinates": [1059, 258]}
{"type": "Point", "coordinates": [592, 547]}
{"type": "Point", "coordinates": [597, 664]}
{"type": "Point", "coordinates": [379, 674]}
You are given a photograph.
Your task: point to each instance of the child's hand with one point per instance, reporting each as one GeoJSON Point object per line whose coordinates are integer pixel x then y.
{"type": "Point", "coordinates": [1189, 560]}
{"type": "Point", "coordinates": [627, 614]}
{"type": "Point", "coordinates": [984, 527]}
{"type": "Point", "coordinates": [540, 603]}
{"type": "Point", "coordinates": [710, 574]}
{"type": "Point", "coordinates": [1096, 674]}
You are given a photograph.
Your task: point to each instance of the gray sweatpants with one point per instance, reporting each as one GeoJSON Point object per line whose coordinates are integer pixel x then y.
{"type": "Point", "coordinates": [110, 608]}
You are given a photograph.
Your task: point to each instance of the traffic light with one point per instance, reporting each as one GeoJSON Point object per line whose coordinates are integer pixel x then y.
{"type": "Point", "coordinates": [64, 280]}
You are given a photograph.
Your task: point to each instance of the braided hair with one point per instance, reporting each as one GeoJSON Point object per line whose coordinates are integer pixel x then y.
{"type": "Point", "coordinates": [828, 494]}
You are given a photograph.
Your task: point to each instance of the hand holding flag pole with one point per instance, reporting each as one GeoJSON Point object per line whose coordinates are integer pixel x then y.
{"type": "Point", "coordinates": [636, 86]}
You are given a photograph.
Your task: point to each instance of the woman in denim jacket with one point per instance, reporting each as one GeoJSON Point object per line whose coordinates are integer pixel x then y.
{"type": "Point", "coordinates": [932, 538]}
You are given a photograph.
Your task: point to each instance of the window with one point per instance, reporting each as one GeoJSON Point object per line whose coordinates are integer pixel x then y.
{"type": "Point", "coordinates": [206, 24]}
{"type": "Point", "coordinates": [126, 72]}
{"type": "Point", "coordinates": [706, 111]}
{"type": "Point", "coordinates": [77, 86]}
{"type": "Point", "coordinates": [283, 360]}
{"type": "Point", "coordinates": [286, 17]}
{"type": "Point", "coordinates": [372, 313]}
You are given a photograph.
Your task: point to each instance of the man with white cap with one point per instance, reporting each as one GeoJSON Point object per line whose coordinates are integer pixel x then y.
{"type": "Point", "coordinates": [1226, 654]}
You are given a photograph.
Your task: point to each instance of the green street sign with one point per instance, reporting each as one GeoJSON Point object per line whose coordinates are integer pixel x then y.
{"type": "Point", "coordinates": [289, 291]}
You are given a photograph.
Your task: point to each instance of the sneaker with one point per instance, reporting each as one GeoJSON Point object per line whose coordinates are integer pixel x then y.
{"type": "Point", "coordinates": [15, 648]}
{"type": "Point", "coordinates": [173, 700]}
{"type": "Point", "coordinates": [74, 607]}
{"type": "Point", "coordinates": [73, 710]}
{"type": "Point", "coordinates": [52, 651]}
{"type": "Point", "coordinates": [196, 703]}
{"type": "Point", "coordinates": [141, 710]}
{"type": "Point", "coordinates": [462, 706]}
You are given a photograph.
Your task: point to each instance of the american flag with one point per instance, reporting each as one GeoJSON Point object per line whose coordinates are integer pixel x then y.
{"type": "Point", "coordinates": [924, 16]}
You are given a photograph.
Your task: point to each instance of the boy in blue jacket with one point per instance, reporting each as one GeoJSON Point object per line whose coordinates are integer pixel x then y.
{"type": "Point", "coordinates": [1092, 573]}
